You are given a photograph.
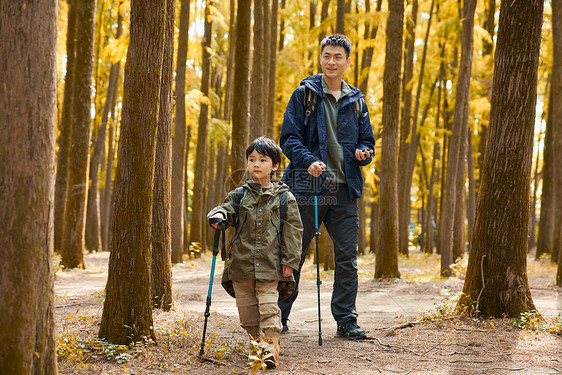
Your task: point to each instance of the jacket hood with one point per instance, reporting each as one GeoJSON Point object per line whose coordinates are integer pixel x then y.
{"type": "Point", "coordinates": [315, 84]}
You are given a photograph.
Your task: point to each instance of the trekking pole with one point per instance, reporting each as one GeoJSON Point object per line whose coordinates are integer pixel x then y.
{"type": "Point", "coordinates": [215, 252]}
{"type": "Point", "coordinates": [318, 281]}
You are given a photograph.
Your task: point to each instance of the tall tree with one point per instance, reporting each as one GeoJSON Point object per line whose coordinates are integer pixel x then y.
{"type": "Point", "coordinates": [127, 311]}
{"type": "Point", "coordinates": [72, 249]}
{"type": "Point", "coordinates": [407, 137]}
{"type": "Point", "coordinates": [556, 110]}
{"type": "Point", "coordinates": [198, 203]}
{"type": "Point", "coordinates": [65, 124]}
{"type": "Point", "coordinates": [340, 17]}
{"type": "Point", "coordinates": [179, 143]}
{"type": "Point", "coordinates": [496, 282]}
{"type": "Point", "coordinates": [452, 199]}
{"type": "Point", "coordinates": [28, 71]}
{"type": "Point", "coordinates": [257, 99]}
{"type": "Point", "coordinates": [386, 264]}
{"type": "Point", "coordinates": [240, 108]}
{"type": "Point", "coordinates": [270, 101]}
{"type": "Point", "coordinates": [161, 262]}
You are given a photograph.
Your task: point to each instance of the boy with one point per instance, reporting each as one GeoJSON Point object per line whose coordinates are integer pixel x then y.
{"type": "Point", "coordinates": [259, 268]}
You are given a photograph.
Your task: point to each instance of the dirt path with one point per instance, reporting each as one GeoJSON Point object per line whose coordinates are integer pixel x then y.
{"type": "Point", "coordinates": [445, 346]}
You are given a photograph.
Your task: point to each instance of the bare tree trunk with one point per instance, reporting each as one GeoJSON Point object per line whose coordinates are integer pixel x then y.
{"type": "Point", "coordinates": [547, 217]}
{"type": "Point", "coordinates": [270, 112]}
{"type": "Point", "coordinates": [240, 120]}
{"type": "Point", "coordinates": [65, 124]}
{"type": "Point", "coordinates": [72, 250]}
{"type": "Point", "coordinates": [471, 196]}
{"type": "Point", "coordinates": [127, 310]}
{"type": "Point", "coordinates": [457, 145]}
{"type": "Point", "coordinates": [230, 63]}
{"type": "Point", "coordinates": [179, 138]}
{"type": "Point", "coordinates": [28, 104]}
{"type": "Point", "coordinates": [340, 17]}
{"type": "Point", "coordinates": [532, 212]}
{"type": "Point", "coordinates": [556, 110]}
{"type": "Point", "coordinates": [198, 207]}
{"type": "Point", "coordinates": [386, 265]}
{"type": "Point", "coordinates": [161, 265]}
{"type": "Point", "coordinates": [407, 137]}
{"type": "Point", "coordinates": [496, 283]}
{"type": "Point", "coordinates": [257, 82]}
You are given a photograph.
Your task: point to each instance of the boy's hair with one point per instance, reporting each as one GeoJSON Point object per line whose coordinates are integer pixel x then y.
{"type": "Point", "coordinates": [336, 40]}
{"type": "Point", "coordinates": [265, 146]}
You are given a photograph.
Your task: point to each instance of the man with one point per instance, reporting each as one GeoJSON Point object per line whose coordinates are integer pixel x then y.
{"type": "Point", "coordinates": [327, 136]}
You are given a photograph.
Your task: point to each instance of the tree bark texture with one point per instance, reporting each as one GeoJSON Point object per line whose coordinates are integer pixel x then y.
{"type": "Point", "coordinates": [386, 265]}
{"type": "Point", "coordinates": [556, 110]}
{"type": "Point", "coordinates": [257, 100]}
{"type": "Point", "coordinates": [161, 262]}
{"type": "Point", "coordinates": [271, 82]}
{"type": "Point", "coordinates": [65, 124]}
{"type": "Point", "coordinates": [179, 138]}
{"type": "Point", "coordinates": [240, 107]}
{"type": "Point", "coordinates": [496, 282]}
{"type": "Point", "coordinates": [547, 216]}
{"type": "Point", "coordinates": [127, 311]}
{"type": "Point", "coordinates": [28, 105]}
{"type": "Point", "coordinates": [452, 199]}
{"type": "Point", "coordinates": [340, 17]}
{"type": "Point", "coordinates": [74, 225]}
{"type": "Point", "coordinates": [198, 214]}
{"type": "Point", "coordinates": [407, 137]}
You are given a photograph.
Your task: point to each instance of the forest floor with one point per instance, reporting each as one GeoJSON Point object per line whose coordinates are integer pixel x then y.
{"type": "Point", "coordinates": [437, 341]}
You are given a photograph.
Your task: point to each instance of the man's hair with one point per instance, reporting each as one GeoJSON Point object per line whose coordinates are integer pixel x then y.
{"type": "Point", "coordinates": [336, 40]}
{"type": "Point", "coordinates": [265, 146]}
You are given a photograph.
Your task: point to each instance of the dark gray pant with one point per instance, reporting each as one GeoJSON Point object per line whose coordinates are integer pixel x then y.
{"type": "Point", "coordinates": [340, 217]}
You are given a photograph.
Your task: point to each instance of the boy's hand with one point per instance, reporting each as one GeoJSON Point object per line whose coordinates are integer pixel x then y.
{"type": "Point", "coordinates": [363, 154]}
{"type": "Point", "coordinates": [287, 271]}
{"type": "Point", "coordinates": [217, 224]}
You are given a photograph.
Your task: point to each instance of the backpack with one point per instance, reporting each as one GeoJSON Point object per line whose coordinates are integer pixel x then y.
{"type": "Point", "coordinates": [283, 203]}
{"type": "Point", "coordinates": [311, 98]}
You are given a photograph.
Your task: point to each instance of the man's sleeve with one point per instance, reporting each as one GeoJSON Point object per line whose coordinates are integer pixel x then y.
{"type": "Point", "coordinates": [366, 138]}
{"type": "Point", "coordinates": [293, 132]}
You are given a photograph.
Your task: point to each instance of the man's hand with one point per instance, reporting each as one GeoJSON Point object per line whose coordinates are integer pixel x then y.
{"type": "Point", "coordinates": [316, 168]}
{"type": "Point", "coordinates": [287, 271]}
{"type": "Point", "coordinates": [363, 154]}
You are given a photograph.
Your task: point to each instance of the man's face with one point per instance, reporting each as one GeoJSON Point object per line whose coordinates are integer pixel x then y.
{"type": "Point", "coordinates": [334, 61]}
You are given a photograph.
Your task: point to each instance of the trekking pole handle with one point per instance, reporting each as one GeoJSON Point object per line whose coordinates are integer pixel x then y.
{"type": "Point", "coordinates": [222, 223]}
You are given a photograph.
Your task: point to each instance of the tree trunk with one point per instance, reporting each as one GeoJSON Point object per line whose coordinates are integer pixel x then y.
{"type": "Point", "coordinates": [161, 265]}
{"type": "Point", "coordinates": [457, 144]}
{"type": "Point", "coordinates": [241, 105]}
{"type": "Point", "coordinates": [471, 195]}
{"type": "Point", "coordinates": [407, 137]}
{"type": "Point", "coordinates": [65, 124]}
{"type": "Point", "coordinates": [28, 105]}
{"type": "Point", "coordinates": [179, 139]}
{"type": "Point", "coordinates": [270, 102]}
{"type": "Point", "coordinates": [72, 250]}
{"type": "Point", "coordinates": [556, 110]}
{"type": "Point", "coordinates": [368, 52]}
{"type": "Point", "coordinates": [340, 17]}
{"type": "Point", "coordinates": [198, 206]}
{"type": "Point", "coordinates": [532, 211]}
{"type": "Point", "coordinates": [127, 310]}
{"type": "Point", "coordinates": [256, 90]}
{"type": "Point", "coordinates": [111, 99]}
{"type": "Point", "coordinates": [230, 63]}
{"type": "Point", "coordinates": [496, 282]}
{"type": "Point", "coordinates": [386, 265]}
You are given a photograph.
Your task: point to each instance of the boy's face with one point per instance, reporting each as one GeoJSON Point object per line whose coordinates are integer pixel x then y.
{"type": "Point", "coordinates": [261, 166]}
{"type": "Point", "coordinates": [334, 61]}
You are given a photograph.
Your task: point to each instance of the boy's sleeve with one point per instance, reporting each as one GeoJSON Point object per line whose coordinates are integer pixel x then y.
{"type": "Point", "coordinates": [366, 138]}
{"type": "Point", "coordinates": [292, 235]}
{"type": "Point", "coordinates": [226, 209]}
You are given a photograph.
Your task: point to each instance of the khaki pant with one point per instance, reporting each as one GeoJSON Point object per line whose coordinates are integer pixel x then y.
{"type": "Point", "coordinates": [257, 306]}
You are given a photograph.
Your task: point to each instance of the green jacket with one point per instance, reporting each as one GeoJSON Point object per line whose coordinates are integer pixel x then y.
{"type": "Point", "coordinates": [254, 251]}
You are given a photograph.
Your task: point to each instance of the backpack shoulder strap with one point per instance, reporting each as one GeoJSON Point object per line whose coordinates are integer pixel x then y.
{"type": "Point", "coordinates": [310, 99]}
{"type": "Point", "coordinates": [238, 195]}
{"type": "Point", "coordinates": [283, 204]}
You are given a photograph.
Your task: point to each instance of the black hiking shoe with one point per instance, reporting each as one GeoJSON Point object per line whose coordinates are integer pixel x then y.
{"type": "Point", "coordinates": [350, 330]}
{"type": "Point", "coordinates": [285, 328]}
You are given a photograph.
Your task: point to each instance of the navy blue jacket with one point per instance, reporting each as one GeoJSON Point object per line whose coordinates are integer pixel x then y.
{"type": "Point", "coordinates": [304, 145]}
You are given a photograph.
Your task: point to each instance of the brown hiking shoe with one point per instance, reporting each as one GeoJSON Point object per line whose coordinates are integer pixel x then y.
{"type": "Point", "coordinates": [274, 341]}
